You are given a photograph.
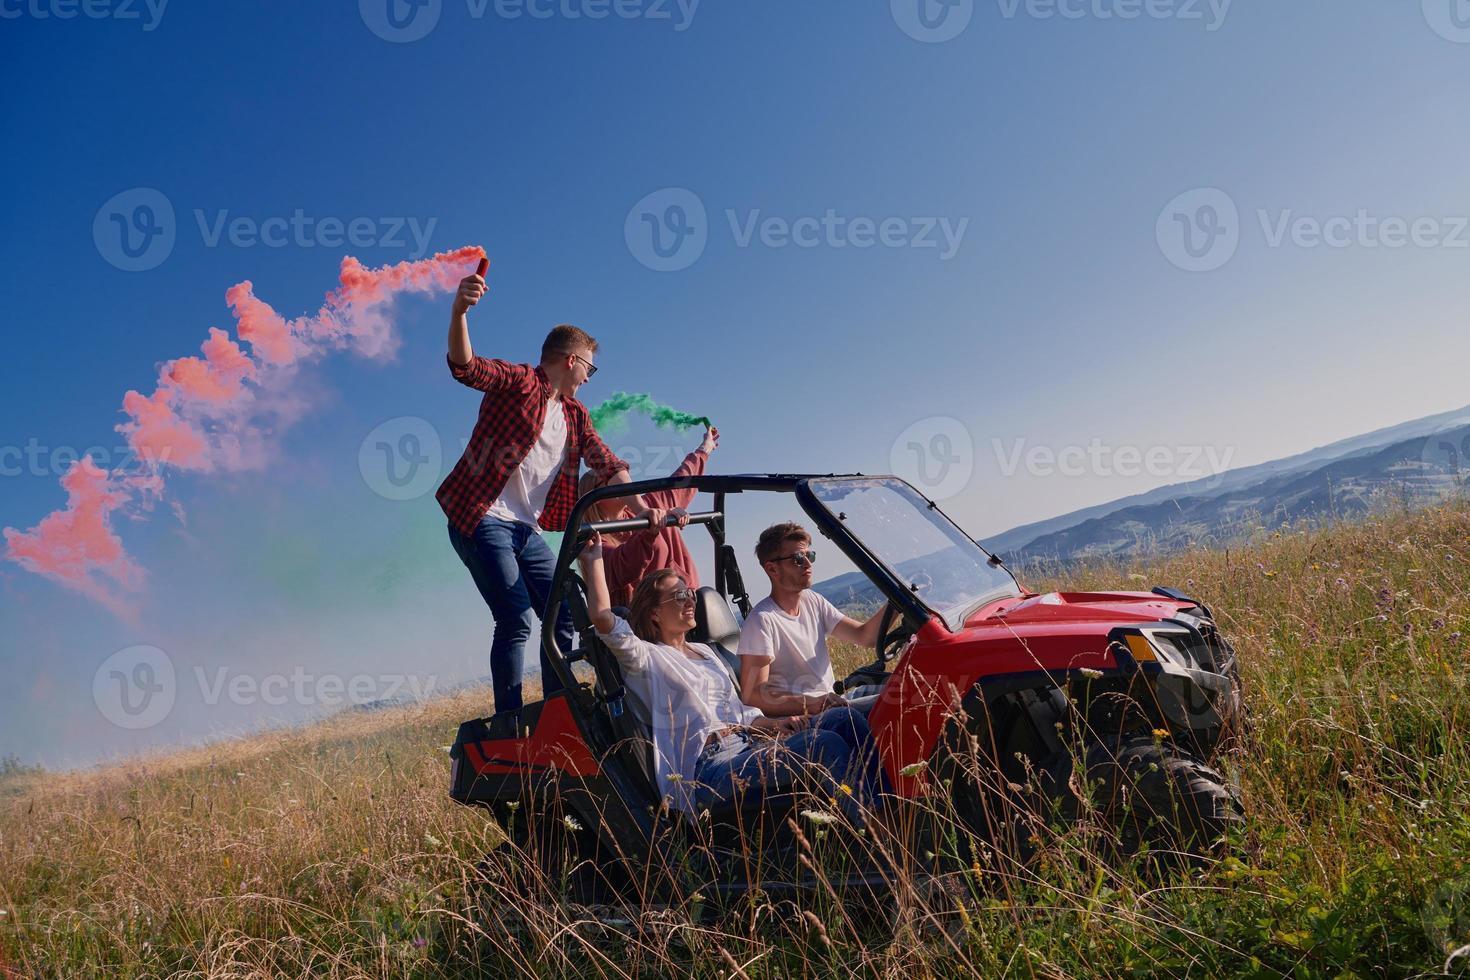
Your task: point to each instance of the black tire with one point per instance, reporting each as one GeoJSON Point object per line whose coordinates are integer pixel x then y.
{"type": "Point", "coordinates": [1158, 795]}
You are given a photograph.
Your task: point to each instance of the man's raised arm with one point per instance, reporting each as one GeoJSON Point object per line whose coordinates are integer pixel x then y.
{"type": "Point", "coordinates": [479, 373]}
{"type": "Point", "coordinates": [471, 288]}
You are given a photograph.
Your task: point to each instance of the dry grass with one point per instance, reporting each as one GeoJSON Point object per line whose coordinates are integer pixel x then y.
{"type": "Point", "coordinates": [334, 851]}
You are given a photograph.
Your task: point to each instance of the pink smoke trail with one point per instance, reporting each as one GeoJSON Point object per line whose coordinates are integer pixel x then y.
{"type": "Point", "coordinates": [213, 413]}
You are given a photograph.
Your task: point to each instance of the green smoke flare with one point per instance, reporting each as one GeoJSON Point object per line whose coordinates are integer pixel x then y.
{"type": "Point", "coordinates": [612, 415]}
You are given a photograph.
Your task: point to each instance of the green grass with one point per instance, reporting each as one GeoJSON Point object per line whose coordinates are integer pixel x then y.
{"type": "Point", "coordinates": [334, 851]}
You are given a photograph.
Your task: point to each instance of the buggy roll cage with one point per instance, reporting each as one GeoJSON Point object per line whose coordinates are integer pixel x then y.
{"type": "Point", "coordinates": [566, 586]}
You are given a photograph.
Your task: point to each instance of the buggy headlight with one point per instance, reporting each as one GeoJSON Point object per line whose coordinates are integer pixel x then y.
{"type": "Point", "coordinates": [1141, 649]}
{"type": "Point", "coordinates": [1155, 646]}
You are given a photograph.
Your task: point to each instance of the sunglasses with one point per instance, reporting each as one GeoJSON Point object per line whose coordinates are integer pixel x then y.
{"type": "Point", "coordinates": [591, 368]}
{"type": "Point", "coordinates": [680, 596]}
{"type": "Point", "coordinates": [800, 559]}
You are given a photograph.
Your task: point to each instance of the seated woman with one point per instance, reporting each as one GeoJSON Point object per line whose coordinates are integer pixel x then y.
{"type": "Point", "coordinates": [706, 742]}
{"type": "Point", "coordinates": [627, 558]}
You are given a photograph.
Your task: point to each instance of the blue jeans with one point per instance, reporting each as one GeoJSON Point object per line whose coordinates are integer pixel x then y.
{"type": "Point", "coordinates": [512, 567]}
{"type": "Point", "coordinates": [836, 748]}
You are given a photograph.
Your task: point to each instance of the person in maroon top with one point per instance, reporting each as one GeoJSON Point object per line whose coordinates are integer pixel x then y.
{"type": "Point", "coordinates": [627, 558]}
{"type": "Point", "coordinates": [518, 476]}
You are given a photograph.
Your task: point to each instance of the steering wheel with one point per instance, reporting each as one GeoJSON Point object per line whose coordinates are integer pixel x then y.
{"type": "Point", "coordinates": [893, 632]}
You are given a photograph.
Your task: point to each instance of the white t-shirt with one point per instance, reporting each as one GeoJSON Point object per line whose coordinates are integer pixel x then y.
{"type": "Point", "coordinates": [681, 701]}
{"type": "Point", "coordinates": [524, 496]}
{"type": "Point", "coordinates": [795, 645]}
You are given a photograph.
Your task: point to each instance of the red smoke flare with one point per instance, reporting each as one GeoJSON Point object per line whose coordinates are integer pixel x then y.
{"type": "Point", "coordinates": [215, 413]}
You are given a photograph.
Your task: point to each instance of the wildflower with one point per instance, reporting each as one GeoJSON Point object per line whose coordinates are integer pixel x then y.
{"type": "Point", "coordinates": [846, 789]}
{"type": "Point", "coordinates": [1161, 733]}
{"type": "Point", "coordinates": [913, 769]}
{"type": "Point", "coordinates": [419, 942]}
{"type": "Point", "coordinates": [571, 822]}
{"type": "Point", "coordinates": [1134, 576]}
{"type": "Point", "coordinates": [675, 777]}
{"type": "Point", "coordinates": [1269, 574]}
{"type": "Point", "coordinates": [432, 841]}
{"type": "Point", "coordinates": [513, 805]}
{"type": "Point", "coordinates": [1090, 673]}
{"type": "Point", "coordinates": [819, 818]}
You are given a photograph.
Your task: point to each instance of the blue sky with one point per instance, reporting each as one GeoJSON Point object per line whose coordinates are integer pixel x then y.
{"type": "Point", "coordinates": [1050, 146]}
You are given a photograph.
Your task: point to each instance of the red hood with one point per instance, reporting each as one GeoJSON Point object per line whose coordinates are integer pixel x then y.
{"type": "Point", "coordinates": [1102, 610]}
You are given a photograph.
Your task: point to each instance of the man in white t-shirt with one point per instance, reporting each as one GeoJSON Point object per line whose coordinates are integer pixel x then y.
{"type": "Point", "coordinates": [784, 665]}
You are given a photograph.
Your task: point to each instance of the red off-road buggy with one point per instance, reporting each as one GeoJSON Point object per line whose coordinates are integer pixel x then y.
{"type": "Point", "coordinates": [986, 703]}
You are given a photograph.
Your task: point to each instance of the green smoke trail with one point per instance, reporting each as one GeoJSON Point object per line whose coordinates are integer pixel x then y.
{"type": "Point", "coordinates": [612, 415]}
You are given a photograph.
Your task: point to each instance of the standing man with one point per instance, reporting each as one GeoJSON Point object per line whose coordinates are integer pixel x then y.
{"type": "Point", "coordinates": [518, 474]}
{"type": "Point", "coordinates": [784, 665]}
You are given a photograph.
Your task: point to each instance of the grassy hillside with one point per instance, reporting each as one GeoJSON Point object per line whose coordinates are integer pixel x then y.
{"type": "Point", "coordinates": [333, 851]}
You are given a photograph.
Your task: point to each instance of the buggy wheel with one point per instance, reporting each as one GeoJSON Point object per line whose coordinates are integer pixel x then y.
{"type": "Point", "coordinates": [1159, 796]}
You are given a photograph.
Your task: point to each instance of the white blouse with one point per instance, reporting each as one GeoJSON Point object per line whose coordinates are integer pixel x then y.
{"type": "Point", "coordinates": [681, 700]}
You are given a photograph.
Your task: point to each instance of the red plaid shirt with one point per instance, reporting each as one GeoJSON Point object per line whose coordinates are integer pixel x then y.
{"type": "Point", "coordinates": [511, 415]}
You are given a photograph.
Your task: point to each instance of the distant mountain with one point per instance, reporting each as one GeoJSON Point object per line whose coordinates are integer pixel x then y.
{"type": "Point", "coordinates": [1415, 462]}
{"type": "Point", "coordinates": [1026, 538]}
{"type": "Point", "coordinates": [1342, 481]}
